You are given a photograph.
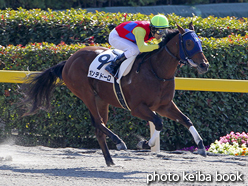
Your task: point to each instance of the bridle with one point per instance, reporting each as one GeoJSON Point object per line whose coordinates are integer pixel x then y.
{"type": "Point", "coordinates": [185, 55]}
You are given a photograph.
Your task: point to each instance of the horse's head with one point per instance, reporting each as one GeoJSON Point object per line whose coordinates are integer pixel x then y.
{"type": "Point", "coordinates": [191, 49]}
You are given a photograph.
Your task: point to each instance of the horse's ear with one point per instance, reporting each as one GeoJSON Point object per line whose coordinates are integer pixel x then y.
{"type": "Point", "coordinates": [191, 26]}
{"type": "Point", "coordinates": [181, 30]}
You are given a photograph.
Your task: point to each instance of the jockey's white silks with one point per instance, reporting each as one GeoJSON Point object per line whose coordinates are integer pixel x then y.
{"type": "Point", "coordinates": [130, 49]}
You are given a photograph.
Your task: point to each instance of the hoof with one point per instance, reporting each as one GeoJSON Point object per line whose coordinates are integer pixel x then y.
{"type": "Point", "coordinates": [201, 149]}
{"type": "Point", "coordinates": [110, 163]}
{"type": "Point", "coordinates": [143, 145]}
{"type": "Point", "coordinates": [121, 146]}
{"type": "Point", "coordinates": [202, 152]}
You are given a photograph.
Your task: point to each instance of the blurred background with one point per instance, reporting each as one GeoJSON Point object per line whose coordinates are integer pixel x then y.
{"type": "Point", "coordinates": [203, 8]}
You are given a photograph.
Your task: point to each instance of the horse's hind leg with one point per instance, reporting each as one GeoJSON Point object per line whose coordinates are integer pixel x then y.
{"type": "Point", "coordinates": [99, 118]}
{"type": "Point", "coordinates": [172, 111]}
{"type": "Point", "coordinates": [99, 113]}
{"type": "Point", "coordinates": [101, 137]}
{"type": "Point", "coordinates": [75, 78]}
{"type": "Point", "coordinates": [101, 126]}
{"type": "Point", "coordinates": [142, 111]}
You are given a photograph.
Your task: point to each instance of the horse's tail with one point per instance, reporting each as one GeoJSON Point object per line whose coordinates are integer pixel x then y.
{"type": "Point", "coordinates": [39, 87]}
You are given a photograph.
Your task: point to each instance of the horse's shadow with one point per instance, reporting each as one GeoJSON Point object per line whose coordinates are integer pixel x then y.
{"type": "Point", "coordinates": [77, 172]}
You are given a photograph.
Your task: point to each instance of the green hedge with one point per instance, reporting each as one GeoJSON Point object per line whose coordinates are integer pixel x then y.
{"type": "Point", "coordinates": [68, 123]}
{"type": "Point", "coordinates": [73, 26]}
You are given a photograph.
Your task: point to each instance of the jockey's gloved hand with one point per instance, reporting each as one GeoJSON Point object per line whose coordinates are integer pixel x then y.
{"type": "Point", "coordinates": [160, 44]}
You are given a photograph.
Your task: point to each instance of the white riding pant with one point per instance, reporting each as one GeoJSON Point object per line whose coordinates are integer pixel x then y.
{"type": "Point", "coordinates": [130, 49]}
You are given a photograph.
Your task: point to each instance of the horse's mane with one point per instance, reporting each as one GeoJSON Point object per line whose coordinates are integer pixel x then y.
{"type": "Point", "coordinates": [170, 34]}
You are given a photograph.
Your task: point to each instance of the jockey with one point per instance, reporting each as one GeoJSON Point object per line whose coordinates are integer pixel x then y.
{"type": "Point", "coordinates": [131, 37]}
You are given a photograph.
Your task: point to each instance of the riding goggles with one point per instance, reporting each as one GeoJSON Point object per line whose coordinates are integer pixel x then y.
{"type": "Point", "coordinates": [161, 31]}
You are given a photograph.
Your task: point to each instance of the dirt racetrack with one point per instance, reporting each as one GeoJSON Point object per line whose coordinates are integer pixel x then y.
{"type": "Point", "coordinates": [23, 166]}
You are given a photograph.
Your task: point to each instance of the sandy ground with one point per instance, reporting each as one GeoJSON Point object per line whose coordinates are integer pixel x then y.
{"type": "Point", "coordinates": [41, 165]}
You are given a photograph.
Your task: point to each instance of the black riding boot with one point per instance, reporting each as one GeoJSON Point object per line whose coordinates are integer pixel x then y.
{"type": "Point", "coordinates": [115, 64]}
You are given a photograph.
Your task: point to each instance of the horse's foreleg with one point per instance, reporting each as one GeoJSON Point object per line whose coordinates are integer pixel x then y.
{"type": "Point", "coordinates": [171, 111]}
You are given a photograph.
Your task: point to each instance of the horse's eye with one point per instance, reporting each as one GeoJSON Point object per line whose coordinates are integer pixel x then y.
{"type": "Point", "coordinates": [189, 44]}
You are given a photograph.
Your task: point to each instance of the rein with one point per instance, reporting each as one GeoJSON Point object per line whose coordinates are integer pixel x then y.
{"type": "Point", "coordinates": [153, 71]}
{"type": "Point", "coordinates": [176, 58]}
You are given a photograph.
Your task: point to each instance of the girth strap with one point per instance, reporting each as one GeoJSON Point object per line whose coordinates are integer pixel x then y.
{"type": "Point", "coordinates": [119, 95]}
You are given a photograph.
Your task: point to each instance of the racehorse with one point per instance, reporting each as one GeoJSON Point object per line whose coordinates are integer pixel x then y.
{"type": "Point", "coordinates": [148, 88]}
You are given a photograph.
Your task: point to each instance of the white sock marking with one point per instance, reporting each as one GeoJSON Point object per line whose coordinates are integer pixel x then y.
{"type": "Point", "coordinates": [155, 135]}
{"type": "Point", "coordinates": [195, 134]}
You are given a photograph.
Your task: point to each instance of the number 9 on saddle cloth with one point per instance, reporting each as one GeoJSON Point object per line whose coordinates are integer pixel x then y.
{"type": "Point", "coordinates": [97, 67]}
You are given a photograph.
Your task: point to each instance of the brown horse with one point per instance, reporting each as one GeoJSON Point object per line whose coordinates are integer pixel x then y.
{"type": "Point", "coordinates": [148, 88]}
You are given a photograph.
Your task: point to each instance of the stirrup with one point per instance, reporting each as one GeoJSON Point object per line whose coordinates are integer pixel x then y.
{"type": "Point", "coordinates": [110, 70]}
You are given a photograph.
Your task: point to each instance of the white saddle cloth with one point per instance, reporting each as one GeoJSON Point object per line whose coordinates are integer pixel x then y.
{"type": "Point", "coordinates": [97, 67]}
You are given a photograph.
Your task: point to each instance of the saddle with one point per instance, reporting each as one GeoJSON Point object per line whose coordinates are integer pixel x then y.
{"type": "Point", "coordinates": [97, 71]}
